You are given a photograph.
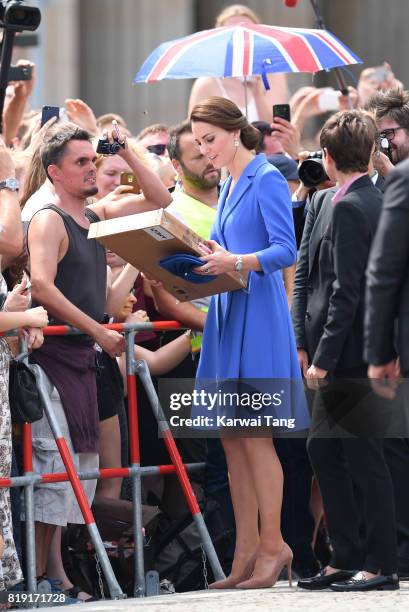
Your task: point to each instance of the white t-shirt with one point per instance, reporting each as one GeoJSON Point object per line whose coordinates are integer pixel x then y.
{"type": "Point", "coordinates": [40, 198]}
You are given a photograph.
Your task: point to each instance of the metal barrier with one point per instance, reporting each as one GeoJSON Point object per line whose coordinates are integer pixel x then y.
{"type": "Point", "coordinates": [135, 471]}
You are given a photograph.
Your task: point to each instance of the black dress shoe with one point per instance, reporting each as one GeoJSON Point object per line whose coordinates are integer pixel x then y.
{"type": "Point", "coordinates": [360, 583]}
{"type": "Point", "coordinates": [323, 581]}
{"type": "Point", "coordinates": [403, 574]}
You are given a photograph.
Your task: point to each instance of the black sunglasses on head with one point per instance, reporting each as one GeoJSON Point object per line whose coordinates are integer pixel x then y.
{"type": "Point", "coordinates": [158, 149]}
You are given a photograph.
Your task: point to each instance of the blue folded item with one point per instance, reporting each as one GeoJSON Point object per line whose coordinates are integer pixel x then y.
{"type": "Point", "coordinates": [181, 265]}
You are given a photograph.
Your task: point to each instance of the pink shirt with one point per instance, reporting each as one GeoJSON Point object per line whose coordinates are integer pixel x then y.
{"type": "Point", "coordinates": [342, 190]}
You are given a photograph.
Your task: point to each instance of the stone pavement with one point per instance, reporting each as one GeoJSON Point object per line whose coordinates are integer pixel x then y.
{"type": "Point", "coordinates": [280, 598]}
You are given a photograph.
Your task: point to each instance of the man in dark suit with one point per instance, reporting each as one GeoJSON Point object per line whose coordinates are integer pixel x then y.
{"type": "Point", "coordinates": [391, 109]}
{"type": "Point", "coordinates": [328, 313]}
{"type": "Point", "coordinates": [387, 311]}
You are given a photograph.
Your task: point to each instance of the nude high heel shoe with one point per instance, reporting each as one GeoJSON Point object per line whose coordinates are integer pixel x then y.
{"type": "Point", "coordinates": [231, 581]}
{"type": "Point", "coordinates": [266, 578]}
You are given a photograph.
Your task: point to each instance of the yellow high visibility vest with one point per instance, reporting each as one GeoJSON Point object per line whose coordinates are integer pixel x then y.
{"type": "Point", "coordinates": [200, 218]}
{"type": "Point", "coordinates": [196, 215]}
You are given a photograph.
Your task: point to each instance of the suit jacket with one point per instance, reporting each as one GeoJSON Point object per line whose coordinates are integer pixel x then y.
{"type": "Point", "coordinates": [318, 217]}
{"type": "Point", "coordinates": [387, 294]}
{"type": "Point", "coordinates": [329, 292]}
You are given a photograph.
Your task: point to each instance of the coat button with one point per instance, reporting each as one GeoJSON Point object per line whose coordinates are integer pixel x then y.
{"type": "Point", "coordinates": [307, 315]}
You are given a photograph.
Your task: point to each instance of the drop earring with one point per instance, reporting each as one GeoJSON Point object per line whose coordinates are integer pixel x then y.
{"type": "Point", "coordinates": [236, 142]}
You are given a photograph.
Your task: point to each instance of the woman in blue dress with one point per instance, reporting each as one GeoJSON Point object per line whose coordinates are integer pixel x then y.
{"type": "Point", "coordinates": [248, 334]}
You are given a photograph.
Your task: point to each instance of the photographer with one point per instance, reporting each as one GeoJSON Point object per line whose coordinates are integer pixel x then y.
{"type": "Point", "coordinates": [391, 109]}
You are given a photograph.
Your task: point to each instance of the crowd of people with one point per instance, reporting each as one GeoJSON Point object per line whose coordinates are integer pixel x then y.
{"type": "Point", "coordinates": [325, 305]}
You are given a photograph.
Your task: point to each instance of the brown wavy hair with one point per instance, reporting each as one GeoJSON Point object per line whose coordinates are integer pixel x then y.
{"type": "Point", "coordinates": [225, 114]}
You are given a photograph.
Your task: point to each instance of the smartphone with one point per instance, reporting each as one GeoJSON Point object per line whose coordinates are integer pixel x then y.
{"type": "Point", "coordinates": [385, 147]}
{"type": "Point", "coordinates": [282, 110]}
{"type": "Point", "coordinates": [129, 179]}
{"type": "Point", "coordinates": [329, 99]}
{"type": "Point", "coordinates": [48, 112]}
{"type": "Point", "coordinates": [53, 111]}
{"type": "Point", "coordinates": [20, 73]}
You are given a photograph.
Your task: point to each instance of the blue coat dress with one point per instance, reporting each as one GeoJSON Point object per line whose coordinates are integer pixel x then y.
{"type": "Point", "coordinates": [248, 334]}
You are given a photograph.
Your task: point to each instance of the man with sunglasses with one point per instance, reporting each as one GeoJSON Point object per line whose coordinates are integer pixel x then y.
{"type": "Point", "coordinates": [391, 109]}
{"type": "Point", "coordinates": [155, 138]}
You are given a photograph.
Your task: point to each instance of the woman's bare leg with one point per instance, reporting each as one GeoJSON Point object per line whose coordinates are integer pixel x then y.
{"type": "Point", "coordinates": [245, 508]}
{"type": "Point", "coordinates": [267, 476]}
{"type": "Point", "coordinates": [55, 567]}
{"type": "Point", "coordinates": [110, 457]}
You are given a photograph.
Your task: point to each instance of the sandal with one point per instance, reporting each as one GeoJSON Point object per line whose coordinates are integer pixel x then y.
{"type": "Point", "coordinates": [74, 592]}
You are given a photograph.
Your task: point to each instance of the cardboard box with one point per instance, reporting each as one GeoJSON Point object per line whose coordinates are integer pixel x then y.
{"type": "Point", "coordinates": [144, 239]}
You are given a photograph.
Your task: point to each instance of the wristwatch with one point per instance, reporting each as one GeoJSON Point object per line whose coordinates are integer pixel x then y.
{"type": "Point", "coordinates": [238, 264]}
{"type": "Point", "coordinates": [10, 183]}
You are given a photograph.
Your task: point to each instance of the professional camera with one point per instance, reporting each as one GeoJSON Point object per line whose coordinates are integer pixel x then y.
{"type": "Point", "coordinates": [311, 171]}
{"type": "Point", "coordinates": [19, 17]}
{"type": "Point", "coordinates": [105, 147]}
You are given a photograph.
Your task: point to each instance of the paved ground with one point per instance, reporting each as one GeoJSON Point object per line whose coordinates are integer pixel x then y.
{"type": "Point", "coordinates": [279, 598]}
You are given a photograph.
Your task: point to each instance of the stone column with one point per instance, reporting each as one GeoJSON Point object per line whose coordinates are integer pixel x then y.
{"type": "Point", "coordinates": [116, 38]}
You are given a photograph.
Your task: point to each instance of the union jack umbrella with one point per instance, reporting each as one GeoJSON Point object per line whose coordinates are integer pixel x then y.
{"type": "Point", "coordinates": [245, 50]}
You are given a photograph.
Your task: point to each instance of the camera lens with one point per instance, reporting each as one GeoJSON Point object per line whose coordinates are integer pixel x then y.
{"type": "Point", "coordinates": [115, 148]}
{"type": "Point", "coordinates": [312, 172]}
{"type": "Point", "coordinates": [21, 17]}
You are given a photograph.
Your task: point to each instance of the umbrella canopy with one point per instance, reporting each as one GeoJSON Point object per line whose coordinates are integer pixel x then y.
{"type": "Point", "coordinates": [245, 50]}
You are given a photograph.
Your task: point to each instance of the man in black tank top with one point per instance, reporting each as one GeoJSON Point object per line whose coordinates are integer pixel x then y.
{"type": "Point", "coordinates": [68, 274]}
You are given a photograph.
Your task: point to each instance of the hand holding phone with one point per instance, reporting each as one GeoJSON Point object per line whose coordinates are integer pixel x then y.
{"type": "Point", "coordinates": [20, 73]}
{"type": "Point", "coordinates": [53, 111]}
{"type": "Point", "coordinates": [129, 179]}
{"type": "Point", "coordinates": [328, 99]}
{"type": "Point", "coordinates": [283, 111]}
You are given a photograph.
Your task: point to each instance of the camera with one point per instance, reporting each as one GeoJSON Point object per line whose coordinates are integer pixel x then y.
{"type": "Point", "coordinates": [311, 171]}
{"type": "Point", "coordinates": [20, 73]}
{"type": "Point", "coordinates": [105, 147]}
{"type": "Point", "coordinates": [19, 17]}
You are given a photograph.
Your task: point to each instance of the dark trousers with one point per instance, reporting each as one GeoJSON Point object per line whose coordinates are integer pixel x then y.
{"type": "Point", "coordinates": [352, 473]}
{"type": "Point", "coordinates": [217, 486]}
{"type": "Point", "coordinates": [397, 458]}
{"type": "Point", "coordinates": [357, 489]}
{"type": "Point", "coordinates": [297, 523]}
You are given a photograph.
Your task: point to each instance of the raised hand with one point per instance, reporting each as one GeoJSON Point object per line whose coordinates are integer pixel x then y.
{"type": "Point", "coordinates": [80, 113]}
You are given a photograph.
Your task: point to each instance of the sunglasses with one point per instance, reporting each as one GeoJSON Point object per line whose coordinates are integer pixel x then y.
{"type": "Point", "coordinates": [389, 134]}
{"type": "Point", "coordinates": [158, 149]}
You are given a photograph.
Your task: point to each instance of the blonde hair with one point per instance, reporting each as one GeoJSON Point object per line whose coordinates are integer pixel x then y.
{"type": "Point", "coordinates": [34, 178]}
{"type": "Point", "coordinates": [236, 10]}
{"type": "Point", "coordinates": [105, 121]}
